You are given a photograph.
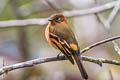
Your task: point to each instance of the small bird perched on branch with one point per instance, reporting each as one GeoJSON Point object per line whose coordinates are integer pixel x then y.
{"type": "Point", "coordinates": [60, 36]}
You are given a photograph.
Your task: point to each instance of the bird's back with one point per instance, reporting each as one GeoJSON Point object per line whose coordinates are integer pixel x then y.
{"type": "Point", "coordinates": [64, 32]}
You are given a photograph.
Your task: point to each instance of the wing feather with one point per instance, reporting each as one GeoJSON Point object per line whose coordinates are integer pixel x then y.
{"type": "Point", "coordinates": [61, 45]}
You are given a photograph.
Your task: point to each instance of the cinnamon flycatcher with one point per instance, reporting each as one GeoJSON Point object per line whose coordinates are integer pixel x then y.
{"type": "Point", "coordinates": [60, 36]}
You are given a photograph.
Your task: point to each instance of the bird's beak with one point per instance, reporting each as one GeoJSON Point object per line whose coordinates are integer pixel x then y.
{"type": "Point", "coordinates": [50, 19]}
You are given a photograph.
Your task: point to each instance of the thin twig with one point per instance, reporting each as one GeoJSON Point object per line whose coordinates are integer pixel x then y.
{"type": "Point", "coordinates": [31, 63]}
{"type": "Point", "coordinates": [99, 43]}
{"type": "Point", "coordinates": [103, 21]}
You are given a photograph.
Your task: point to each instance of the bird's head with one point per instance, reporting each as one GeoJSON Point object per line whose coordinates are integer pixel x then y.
{"type": "Point", "coordinates": [58, 19]}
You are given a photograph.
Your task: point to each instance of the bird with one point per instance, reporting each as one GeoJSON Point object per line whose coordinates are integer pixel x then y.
{"type": "Point", "coordinates": [60, 36]}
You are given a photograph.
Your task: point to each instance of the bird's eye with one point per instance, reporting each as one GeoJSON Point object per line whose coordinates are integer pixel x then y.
{"type": "Point", "coordinates": [57, 18]}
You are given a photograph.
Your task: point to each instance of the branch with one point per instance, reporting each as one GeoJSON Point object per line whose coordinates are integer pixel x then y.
{"type": "Point", "coordinates": [34, 62]}
{"type": "Point", "coordinates": [31, 63]}
{"type": "Point", "coordinates": [93, 10]}
{"type": "Point", "coordinates": [99, 43]}
{"type": "Point", "coordinates": [72, 13]}
{"type": "Point", "coordinates": [10, 23]}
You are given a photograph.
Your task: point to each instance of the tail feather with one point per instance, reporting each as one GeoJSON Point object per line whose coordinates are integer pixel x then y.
{"type": "Point", "coordinates": [70, 59]}
{"type": "Point", "coordinates": [80, 66]}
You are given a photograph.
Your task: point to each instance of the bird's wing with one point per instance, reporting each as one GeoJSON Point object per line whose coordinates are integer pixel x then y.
{"type": "Point", "coordinates": [62, 46]}
{"type": "Point", "coordinates": [62, 37]}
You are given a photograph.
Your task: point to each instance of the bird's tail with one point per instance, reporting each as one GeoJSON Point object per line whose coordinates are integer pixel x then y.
{"type": "Point", "coordinates": [80, 66]}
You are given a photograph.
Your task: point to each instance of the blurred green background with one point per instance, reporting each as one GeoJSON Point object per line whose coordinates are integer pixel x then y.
{"type": "Point", "coordinates": [19, 44]}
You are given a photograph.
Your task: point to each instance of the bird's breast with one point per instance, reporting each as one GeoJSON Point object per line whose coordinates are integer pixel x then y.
{"type": "Point", "coordinates": [47, 35]}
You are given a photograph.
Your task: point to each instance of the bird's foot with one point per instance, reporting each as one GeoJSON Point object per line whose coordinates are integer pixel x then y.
{"type": "Point", "coordinates": [58, 56]}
